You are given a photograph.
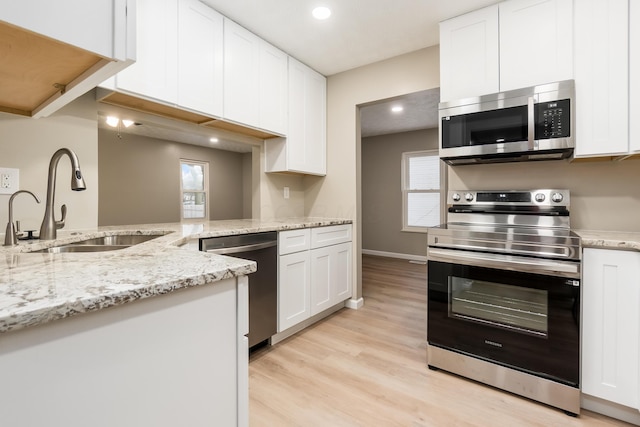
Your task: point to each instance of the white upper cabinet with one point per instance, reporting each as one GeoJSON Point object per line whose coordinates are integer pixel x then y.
{"type": "Point", "coordinates": [200, 58]}
{"type": "Point", "coordinates": [515, 44]}
{"type": "Point", "coordinates": [634, 73]}
{"type": "Point", "coordinates": [304, 150]}
{"type": "Point", "coordinates": [273, 97]}
{"type": "Point", "coordinates": [536, 42]}
{"type": "Point", "coordinates": [74, 43]}
{"type": "Point", "coordinates": [241, 74]}
{"type": "Point", "coordinates": [180, 45]}
{"type": "Point", "coordinates": [602, 77]}
{"type": "Point", "coordinates": [469, 59]}
{"type": "Point", "coordinates": [255, 76]}
{"type": "Point", "coordinates": [155, 73]}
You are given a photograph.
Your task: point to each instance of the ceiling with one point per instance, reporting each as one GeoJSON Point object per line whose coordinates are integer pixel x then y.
{"type": "Point", "coordinates": [357, 33]}
{"type": "Point", "coordinates": [419, 111]}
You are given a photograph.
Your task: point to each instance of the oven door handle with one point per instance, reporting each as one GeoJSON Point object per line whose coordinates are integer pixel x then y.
{"type": "Point", "coordinates": [506, 262]}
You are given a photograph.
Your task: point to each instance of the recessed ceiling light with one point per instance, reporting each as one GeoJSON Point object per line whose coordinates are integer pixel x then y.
{"type": "Point", "coordinates": [397, 109]}
{"type": "Point", "coordinates": [112, 121]}
{"type": "Point", "coordinates": [214, 140]}
{"type": "Point", "coordinates": [127, 123]}
{"type": "Point", "coordinates": [321, 12]}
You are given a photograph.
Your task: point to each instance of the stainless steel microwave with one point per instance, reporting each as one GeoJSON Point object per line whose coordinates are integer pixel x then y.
{"type": "Point", "coordinates": [534, 123]}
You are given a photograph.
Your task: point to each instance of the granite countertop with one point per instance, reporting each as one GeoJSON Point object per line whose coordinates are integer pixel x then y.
{"type": "Point", "coordinates": [40, 287]}
{"type": "Point", "coordinates": [622, 240]}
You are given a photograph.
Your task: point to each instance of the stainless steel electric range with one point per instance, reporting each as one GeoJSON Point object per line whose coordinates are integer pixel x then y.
{"type": "Point", "coordinates": [504, 294]}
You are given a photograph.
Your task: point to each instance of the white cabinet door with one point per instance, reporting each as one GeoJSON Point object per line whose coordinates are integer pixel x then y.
{"type": "Point", "coordinates": [343, 276]}
{"type": "Point", "coordinates": [200, 58]}
{"type": "Point", "coordinates": [294, 275]}
{"type": "Point", "coordinates": [321, 279]}
{"type": "Point", "coordinates": [469, 55]}
{"type": "Point", "coordinates": [154, 74]}
{"type": "Point", "coordinates": [611, 326]}
{"type": "Point", "coordinates": [536, 42]}
{"type": "Point", "coordinates": [330, 276]}
{"type": "Point", "coordinates": [304, 150]}
{"type": "Point", "coordinates": [315, 132]}
{"type": "Point", "coordinates": [241, 74]}
{"type": "Point", "coordinates": [602, 77]}
{"type": "Point", "coordinates": [273, 89]}
{"type": "Point", "coordinates": [634, 76]}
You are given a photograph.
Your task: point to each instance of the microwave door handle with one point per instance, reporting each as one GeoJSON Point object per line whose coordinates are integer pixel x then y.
{"type": "Point", "coordinates": [531, 123]}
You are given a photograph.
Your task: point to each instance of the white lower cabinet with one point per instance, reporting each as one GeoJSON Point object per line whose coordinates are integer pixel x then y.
{"type": "Point", "coordinates": [294, 276]}
{"type": "Point", "coordinates": [611, 326]}
{"type": "Point", "coordinates": [330, 276]}
{"type": "Point", "coordinates": [316, 276]}
{"type": "Point", "coordinates": [171, 360]}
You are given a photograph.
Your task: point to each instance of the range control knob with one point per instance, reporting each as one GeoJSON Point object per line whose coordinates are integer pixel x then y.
{"type": "Point", "coordinates": [557, 197]}
{"type": "Point", "coordinates": [455, 197]}
{"type": "Point", "coordinates": [468, 197]}
{"type": "Point", "coordinates": [540, 197]}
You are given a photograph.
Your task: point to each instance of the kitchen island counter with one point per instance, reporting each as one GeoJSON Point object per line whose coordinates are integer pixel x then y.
{"type": "Point", "coordinates": [37, 288]}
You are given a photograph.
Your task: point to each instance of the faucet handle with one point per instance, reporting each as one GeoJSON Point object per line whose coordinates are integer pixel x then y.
{"type": "Point", "coordinates": [60, 224]}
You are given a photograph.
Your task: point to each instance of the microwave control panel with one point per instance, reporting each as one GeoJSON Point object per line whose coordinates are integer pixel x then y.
{"type": "Point", "coordinates": [553, 119]}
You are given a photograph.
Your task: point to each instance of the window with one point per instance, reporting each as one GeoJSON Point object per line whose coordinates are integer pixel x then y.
{"type": "Point", "coordinates": [420, 190]}
{"type": "Point", "coordinates": [194, 189]}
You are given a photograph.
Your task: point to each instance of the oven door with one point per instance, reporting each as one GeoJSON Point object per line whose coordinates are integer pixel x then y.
{"type": "Point", "coordinates": [521, 320]}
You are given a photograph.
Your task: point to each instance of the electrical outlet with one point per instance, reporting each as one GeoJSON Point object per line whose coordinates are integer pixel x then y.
{"type": "Point", "coordinates": [9, 180]}
{"type": "Point", "coordinates": [286, 192]}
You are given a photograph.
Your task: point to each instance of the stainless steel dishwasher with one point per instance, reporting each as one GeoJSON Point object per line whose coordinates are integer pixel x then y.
{"type": "Point", "coordinates": [263, 284]}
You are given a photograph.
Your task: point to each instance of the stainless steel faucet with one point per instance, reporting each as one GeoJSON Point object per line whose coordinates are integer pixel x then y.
{"type": "Point", "coordinates": [10, 238]}
{"type": "Point", "coordinates": [49, 227]}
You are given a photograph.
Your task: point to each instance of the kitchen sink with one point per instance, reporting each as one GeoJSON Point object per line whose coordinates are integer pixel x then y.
{"type": "Point", "coordinates": [101, 244]}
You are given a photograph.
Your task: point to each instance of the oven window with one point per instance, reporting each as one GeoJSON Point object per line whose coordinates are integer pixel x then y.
{"type": "Point", "coordinates": [504, 306]}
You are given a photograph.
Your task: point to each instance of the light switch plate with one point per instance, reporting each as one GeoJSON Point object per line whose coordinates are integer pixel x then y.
{"type": "Point", "coordinates": [286, 192]}
{"type": "Point", "coordinates": [9, 180]}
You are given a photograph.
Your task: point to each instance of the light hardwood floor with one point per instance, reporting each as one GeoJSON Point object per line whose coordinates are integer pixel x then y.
{"type": "Point", "coordinates": [367, 367]}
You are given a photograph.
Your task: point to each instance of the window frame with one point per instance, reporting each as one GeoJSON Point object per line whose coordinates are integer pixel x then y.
{"type": "Point", "coordinates": [205, 171]}
{"type": "Point", "coordinates": [406, 191]}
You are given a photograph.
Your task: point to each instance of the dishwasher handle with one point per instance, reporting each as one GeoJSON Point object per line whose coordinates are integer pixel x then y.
{"type": "Point", "coordinates": [244, 248]}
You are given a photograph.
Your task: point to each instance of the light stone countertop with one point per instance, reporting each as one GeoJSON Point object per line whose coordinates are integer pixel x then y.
{"type": "Point", "coordinates": [621, 240]}
{"type": "Point", "coordinates": [40, 287]}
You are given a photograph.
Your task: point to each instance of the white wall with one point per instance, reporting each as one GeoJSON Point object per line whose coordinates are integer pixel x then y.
{"type": "Point", "coordinates": [27, 144]}
{"type": "Point", "coordinates": [605, 194]}
{"type": "Point", "coordinates": [337, 194]}
{"type": "Point", "coordinates": [381, 190]}
{"type": "Point", "coordinates": [268, 191]}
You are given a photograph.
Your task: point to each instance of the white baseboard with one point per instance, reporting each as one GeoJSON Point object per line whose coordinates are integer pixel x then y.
{"type": "Point", "coordinates": [395, 255]}
{"type": "Point", "coordinates": [354, 304]}
{"type": "Point", "coordinates": [280, 336]}
{"type": "Point", "coordinates": [610, 409]}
